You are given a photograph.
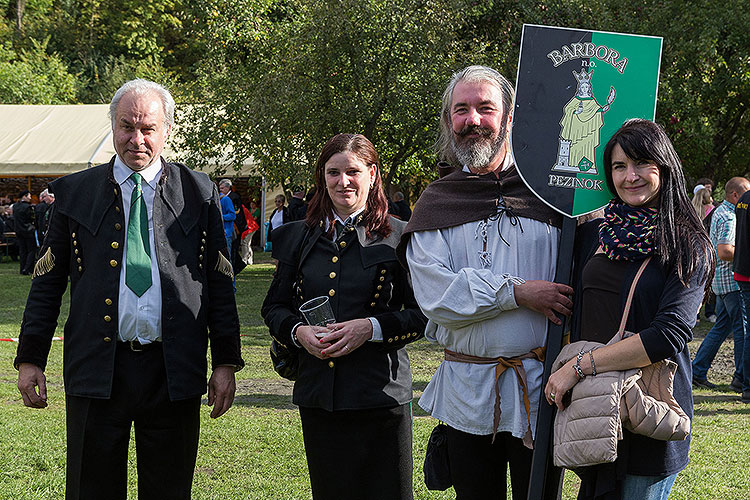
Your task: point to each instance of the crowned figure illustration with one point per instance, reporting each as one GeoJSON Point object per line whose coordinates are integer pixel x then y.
{"type": "Point", "coordinates": [580, 127]}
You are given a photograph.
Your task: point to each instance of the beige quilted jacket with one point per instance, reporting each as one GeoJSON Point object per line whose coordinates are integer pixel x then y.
{"type": "Point", "coordinates": [586, 431]}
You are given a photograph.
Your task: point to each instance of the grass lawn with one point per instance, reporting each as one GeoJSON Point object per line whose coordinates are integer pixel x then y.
{"type": "Point", "coordinates": [256, 452]}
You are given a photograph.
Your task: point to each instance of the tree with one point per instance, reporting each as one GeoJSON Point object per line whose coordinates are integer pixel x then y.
{"type": "Point", "coordinates": [34, 77]}
{"type": "Point", "coordinates": [283, 77]}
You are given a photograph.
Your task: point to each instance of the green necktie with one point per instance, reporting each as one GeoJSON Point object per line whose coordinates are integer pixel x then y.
{"type": "Point", "coordinates": [138, 258]}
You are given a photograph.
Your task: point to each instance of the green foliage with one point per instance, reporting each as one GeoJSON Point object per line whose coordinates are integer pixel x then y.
{"type": "Point", "coordinates": [35, 77]}
{"type": "Point", "coordinates": [282, 78]}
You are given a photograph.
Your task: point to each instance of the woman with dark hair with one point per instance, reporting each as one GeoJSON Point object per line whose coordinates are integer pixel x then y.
{"type": "Point", "coordinates": [650, 216]}
{"type": "Point", "coordinates": [353, 388]}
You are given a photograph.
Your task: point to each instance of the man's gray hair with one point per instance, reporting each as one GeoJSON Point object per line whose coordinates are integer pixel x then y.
{"type": "Point", "coordinates": [43, 193]}
{"type": "Point", "coordinates": [472, 74]}
{"type": "Point", "coordinates": [225, 182]}
{"type": "Point", "coordinates": [143, 87]}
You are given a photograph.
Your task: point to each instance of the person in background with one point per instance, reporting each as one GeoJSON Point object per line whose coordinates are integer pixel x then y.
{"type": "Point", "coordinates": [279, 216]}
{"type": "Point", "coordinates": [297, 207]}
{"type": "Point", "coordinates": [255, 213]}
{"type": "Point", "coordinates": [741, 268]}
{"type": "Point", "coordinates": [650, 216]}
{"type": "Point", "coordinates": [227, 212]}
{"type": "Point", "coordinates": [23, 223]}
{"type": "Point", "coordinates": [703, 202]}
{"type": "Point", "coordinates": [354, 385]}
{"type": "Point", "coordinates": [404, 212]}
{"type": "Point", "coordinates": [727, 291]}
{"type": "Point", "coordinates": [41, 214]}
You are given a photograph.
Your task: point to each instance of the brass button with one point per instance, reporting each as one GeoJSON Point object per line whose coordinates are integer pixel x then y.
{"type": "Point", "coordinates": [75, 243]}
{"type": "Point", "coordinates": [382, 271]}
{"type": "Point", "coordinates": [115, 190]}
{"type": "Point", "coordinates": [377, 295]}
{"type": "Point", "coordinates": [113, 263]}
{"type": "Point", "coordinates": [80, 269]}
{"type": "Point", "coordinates": [72, 235]}
{"type": "Point", "coordinates": [330, 364]}
{"type": "Point", "coordinates": [200, 266]}
{"type": "Point", "coordinates": [204, 233]}
{"type": "Point", "coordinates": [117, 209]}
{"type": "Point", "coordinates": [108, 301]}
{"type": "Point", "coordinates": [382, 278]}
{"type": "Point", "coordinates": [380, 287]}
{"type": "Point", "coordinates": [107, 339]}
{"type": "Point", "coordinates": [331, 292]}
{"type": "Point", "coordinates": [334, 259]}
{"type": "Point", "coordinates": [200, 257]}
{"type": "Point", "coordinates": [118, 226]}
{"type": "Point", "coordinates": [403, 337]}
{"type": "Point", "coordinates": [203, 241]}
{"type": "Point", "coordinates": [332, 275]}
{"type": "Point", "coordinates": [78, 260]}
{"type": "Point", "coordinates": [342, 244]}
{"type": "Point", "coordinates": [115, 245]}
{"type": "Point", "coordinates": [415, 334]}
{"type": "Point", "coordinates": [76, 251]}
{"type": "Point", "coordinates": [202, 248]}
{"type": "Point", "coordinates": [107, 318]}
{"type": "Point", "coordinates": [372, 304]}
{"type": "Point", "coordinates": [390, 340]}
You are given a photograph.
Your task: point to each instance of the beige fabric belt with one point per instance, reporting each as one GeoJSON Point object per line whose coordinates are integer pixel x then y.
{"type": "Point", "coordinates": [502, 364]}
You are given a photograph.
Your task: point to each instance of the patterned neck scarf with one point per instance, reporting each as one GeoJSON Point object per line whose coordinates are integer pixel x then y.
{"type": "Point", "coordinates": [627, 233]}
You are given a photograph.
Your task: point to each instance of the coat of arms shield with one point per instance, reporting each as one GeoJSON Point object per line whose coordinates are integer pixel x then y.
{"type": "Point", "coordinates": [574, 89]}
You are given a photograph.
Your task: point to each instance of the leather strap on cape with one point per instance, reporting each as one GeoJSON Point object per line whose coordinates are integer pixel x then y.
{"type": "Point", "coordinates": [502, 364]}
{"type": "Point", "coordinates": [462, 197]}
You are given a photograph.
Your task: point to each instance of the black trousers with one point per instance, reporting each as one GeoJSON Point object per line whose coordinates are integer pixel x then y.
{"type": "Point", "coordinates": [478, 466]}
{"type": "Point", "coordinates": [359, 454]}
{"type": "Point", "coordinates": [26, 253]}
{"type": "Point", "coordinates": [166, 434]}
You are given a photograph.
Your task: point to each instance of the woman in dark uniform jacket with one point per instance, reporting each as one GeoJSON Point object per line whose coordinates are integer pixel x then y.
{"type": "Point", "coordinates": [354, 382]}
{"type": "Point", "coordinates": [650, 215]}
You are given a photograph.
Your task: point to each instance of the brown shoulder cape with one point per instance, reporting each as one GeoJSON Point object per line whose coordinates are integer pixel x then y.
{"type": "Point", "coordinates": [462, 197]}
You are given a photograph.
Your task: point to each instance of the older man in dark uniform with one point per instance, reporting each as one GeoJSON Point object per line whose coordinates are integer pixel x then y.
{"type": "Point", "coordinates": [142, 243]}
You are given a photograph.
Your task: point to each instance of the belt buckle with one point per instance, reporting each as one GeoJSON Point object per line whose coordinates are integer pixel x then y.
{"type": "Point", "coordinates": [135, 346]}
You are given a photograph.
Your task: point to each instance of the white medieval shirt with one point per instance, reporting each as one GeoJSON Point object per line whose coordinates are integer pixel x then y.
{"type": "Point", "coordinates": [466, 291]}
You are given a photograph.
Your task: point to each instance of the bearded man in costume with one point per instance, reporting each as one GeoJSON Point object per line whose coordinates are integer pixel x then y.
{"type": "Point", "coordinates": [482, 251]}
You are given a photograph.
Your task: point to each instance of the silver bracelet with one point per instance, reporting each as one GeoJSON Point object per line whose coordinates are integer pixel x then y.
{"type": "Point", "coordinates": [593, 365]}
{"type": "Point", "coordinates": [577, 366]}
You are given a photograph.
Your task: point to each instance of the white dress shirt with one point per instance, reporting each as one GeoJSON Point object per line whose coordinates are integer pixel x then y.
{"type": "Point", "coordinates": [139, 318]}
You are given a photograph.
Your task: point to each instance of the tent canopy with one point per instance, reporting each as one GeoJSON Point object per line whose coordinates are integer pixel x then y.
{"type": "Point", "coordinates": [55, 140]}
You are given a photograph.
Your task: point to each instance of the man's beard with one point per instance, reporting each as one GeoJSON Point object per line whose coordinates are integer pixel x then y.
{"type": "Point", "coordinates": [477, 154]}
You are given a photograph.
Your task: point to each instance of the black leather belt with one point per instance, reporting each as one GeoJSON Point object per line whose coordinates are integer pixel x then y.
{"type": "Point", "coordinates": [136, 346]}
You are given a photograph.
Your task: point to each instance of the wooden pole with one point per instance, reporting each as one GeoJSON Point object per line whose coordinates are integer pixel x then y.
{"type": "Point", "coordinates": [546, 479]}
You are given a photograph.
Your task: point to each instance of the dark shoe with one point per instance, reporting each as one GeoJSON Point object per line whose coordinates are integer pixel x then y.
{"type": "Point", "coordinates": [736, 384]}
{"type": "Point", "coordinates": [704, 383]}
{"type": "Point", "coordinates": [746, 396]}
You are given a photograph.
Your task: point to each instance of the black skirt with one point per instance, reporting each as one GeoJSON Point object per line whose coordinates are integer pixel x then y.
{"type": "Point", "coordinates": [359, 454]}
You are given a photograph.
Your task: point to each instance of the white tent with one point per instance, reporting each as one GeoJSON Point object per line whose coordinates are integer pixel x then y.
{"type": "Point", "coordinates": [54, 140]}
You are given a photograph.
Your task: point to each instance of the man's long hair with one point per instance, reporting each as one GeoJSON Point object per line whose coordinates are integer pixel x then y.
{"type": "Point", "coordinates": [473, 74]}
{"type": "Point", "coordinates": [681, 239]}
{"type": "Point", "coordinates": [375, 217]}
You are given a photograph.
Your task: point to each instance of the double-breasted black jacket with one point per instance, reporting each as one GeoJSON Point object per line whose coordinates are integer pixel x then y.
{"type": "Point", "coordinates": [84, 245]}
{"type": "Point", "coordinates": [362, 278]}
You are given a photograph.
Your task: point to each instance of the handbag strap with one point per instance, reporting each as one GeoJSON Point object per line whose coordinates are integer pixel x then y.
{"type": "Point", "coordinates": [628, 303]}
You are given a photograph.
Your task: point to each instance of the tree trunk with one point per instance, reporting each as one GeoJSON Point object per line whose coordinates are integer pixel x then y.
{"type": "Point", "coordinates": [20, 7]}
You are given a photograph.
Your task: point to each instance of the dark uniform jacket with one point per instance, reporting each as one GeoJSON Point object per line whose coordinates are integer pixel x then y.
{"type": "Point", "coordinates": [23, 214]}
{"type": "Point", "coordinates": [84, 244]}
{"type": "Point", "coordinates": [362, 278]}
